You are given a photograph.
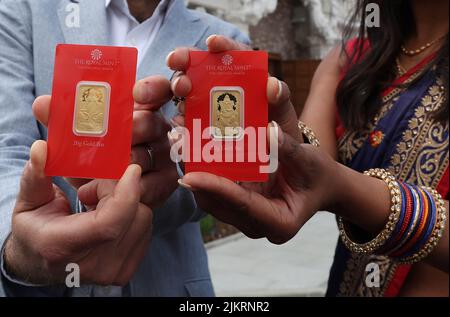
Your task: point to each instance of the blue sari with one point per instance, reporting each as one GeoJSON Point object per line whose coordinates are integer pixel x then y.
{"type": "Point", "coordinates": [405, 140]}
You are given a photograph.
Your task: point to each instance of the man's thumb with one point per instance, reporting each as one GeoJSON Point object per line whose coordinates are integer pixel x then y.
{"type": "Point", "coordinates": [128, 188]}
{"type": "Point", "coordinates": [36, 189]}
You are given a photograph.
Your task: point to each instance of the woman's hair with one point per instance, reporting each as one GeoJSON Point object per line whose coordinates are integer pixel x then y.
{"type": "Point", "coordinates": [372, 70]}
{"type": "Point", "coordinates": [222, 98]}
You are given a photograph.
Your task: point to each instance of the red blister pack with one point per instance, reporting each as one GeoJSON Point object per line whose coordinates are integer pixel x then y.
{"type": "Point", "coordinates": [91, 111]}
{"type": "Point", "coordinates": [227, 115]}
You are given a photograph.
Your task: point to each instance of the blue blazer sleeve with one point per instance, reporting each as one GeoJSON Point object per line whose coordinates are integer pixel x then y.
{"type": "Point", "coordinates": [18, 128]}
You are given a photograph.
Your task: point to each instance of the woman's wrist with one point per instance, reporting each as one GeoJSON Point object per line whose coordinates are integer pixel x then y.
{"type": "Point", "coordinates": [362, 200]}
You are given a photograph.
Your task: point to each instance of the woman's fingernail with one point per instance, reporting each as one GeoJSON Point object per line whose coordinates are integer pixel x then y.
{"type": "Point", "coordinates": [280, 90]}
{"type": "Point", "coordinates": [186, 186]}
{"type": "Point", "coordinates": [169, 57]}
{"type": "Point", "coordinates": [173, 137]}
{"type": "Point", "coordinates": [169, 137]}
{"type": "Point", "coordinates": [174, 123]}
{"type": "Point", "coordinates": [175, 83]}
{"type": "Point", "coordinates": [276, 134]}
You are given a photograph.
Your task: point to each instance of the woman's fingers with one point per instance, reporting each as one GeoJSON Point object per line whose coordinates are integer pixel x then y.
{"type": "Point", "coordinates": [220, 43]}
{"type": "Point", "coordinates": [178, 121]}
{"type": "Point", "coordinates": [248, 202]}
{"type": "Point", "coordinates": [281, 109]}
{"type": "Point", "coordinates": [251, 212]}
{"type": "Point", "coordinates": [178, 60]}
{"type": "Point", "coordinates": [181, 85]}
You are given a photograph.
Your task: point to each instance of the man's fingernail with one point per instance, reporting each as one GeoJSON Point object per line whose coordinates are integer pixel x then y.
{"type": "Point", "coordinates": [169, 57]}
{"type": "Point", "coordinates": [186, 186]}
{"type": "Point", "coordinates": [143, 91]}
{"type": "Point", "coordinates": [210, 38]}
{"type": "Point", "coordinates": [135, 171]}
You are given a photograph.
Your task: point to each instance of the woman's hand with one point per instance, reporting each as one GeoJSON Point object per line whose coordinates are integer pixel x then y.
{"type": "Point", "coordinates": [276, 209]}
{"type": "Point", "coordinates": [303, 184]}
{"type": "Point", "coordinates": [281, 109]}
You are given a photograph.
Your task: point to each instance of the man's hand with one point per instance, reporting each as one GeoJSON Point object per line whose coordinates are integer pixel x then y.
{"type": "Point", "coordinates": [150, 144]}
{"type": "Point", "coordinates": [108, 243]}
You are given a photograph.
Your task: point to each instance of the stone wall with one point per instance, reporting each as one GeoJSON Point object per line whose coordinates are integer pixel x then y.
{"type": "Point", "coordinates": [276, 32]}
{"type": "Point", "coordinates": [293, 28]}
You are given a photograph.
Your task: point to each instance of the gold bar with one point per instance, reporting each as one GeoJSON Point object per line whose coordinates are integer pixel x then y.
{"type": "Point", "coordinates": [227, 105]}
{"type": "Point", "coordinates": [91, 109]}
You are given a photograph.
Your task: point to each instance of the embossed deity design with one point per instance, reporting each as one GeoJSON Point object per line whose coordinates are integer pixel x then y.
{"type": "Point", "coordinates": [226, 112]}
{"type": "Point", "coordinates": [91, 109]}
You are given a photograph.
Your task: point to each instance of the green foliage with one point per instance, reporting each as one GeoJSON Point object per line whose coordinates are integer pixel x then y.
{"type": "Point", "coordinates": [207, 225]}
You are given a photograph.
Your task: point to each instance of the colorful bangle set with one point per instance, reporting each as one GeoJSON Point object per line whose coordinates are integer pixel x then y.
{"type": "Point", "coordinates": [416, 223]}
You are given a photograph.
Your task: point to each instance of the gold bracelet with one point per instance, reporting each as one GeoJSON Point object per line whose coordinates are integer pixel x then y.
{"type": "Point", "coordinates": [309, 134]}
{"type": "Point", "coordinates": [438, 230]}
{"type": "Point", "coordinates": [396, 206]}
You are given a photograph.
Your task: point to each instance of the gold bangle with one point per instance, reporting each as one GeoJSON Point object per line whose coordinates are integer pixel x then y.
{"type": "Point", "coordinates": [438, 230]}
{"type": "Point", "coordinates": [309, 134]}
{"type": "Point", "coordinates": [396, 205]}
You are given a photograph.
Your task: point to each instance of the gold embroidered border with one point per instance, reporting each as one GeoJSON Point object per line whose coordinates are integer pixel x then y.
{"type": "Point", "coordinates": [407, 165]}
{"type": "Point", "coordinates": [350, 143]}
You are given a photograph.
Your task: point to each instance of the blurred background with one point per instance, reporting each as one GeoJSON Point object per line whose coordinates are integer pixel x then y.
{"type": "Point", "coordinates": [297, 34]}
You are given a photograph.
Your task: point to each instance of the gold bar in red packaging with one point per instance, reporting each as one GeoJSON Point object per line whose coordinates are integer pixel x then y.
{"type": "Point", "coordinates": [91, 111]}
{"type": "Point", "coordinates": [91, 108]}
{"type": "Point", "coordinates": [227, 109]}
{"type": "Point", "coordinates": [227, 115]}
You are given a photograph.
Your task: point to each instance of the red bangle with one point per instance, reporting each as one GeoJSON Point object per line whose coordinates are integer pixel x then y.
{"type": "Point", "coordinates": [421, 226]}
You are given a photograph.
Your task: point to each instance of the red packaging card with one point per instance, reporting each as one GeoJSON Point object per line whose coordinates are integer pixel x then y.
{"type": "Point", "coordinates": [227, 115]}
{"type": "Point", "coordinates": [91, 111]}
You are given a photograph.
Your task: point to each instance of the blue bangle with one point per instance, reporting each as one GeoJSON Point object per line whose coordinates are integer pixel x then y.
{"type": "Point", "coordinates": [430, 225]}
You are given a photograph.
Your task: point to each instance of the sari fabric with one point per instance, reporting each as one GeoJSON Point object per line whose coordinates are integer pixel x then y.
{"type": "Point", "coordinates": [404, 139]}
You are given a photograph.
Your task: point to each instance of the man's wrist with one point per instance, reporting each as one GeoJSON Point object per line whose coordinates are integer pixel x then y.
{"type": "Point", "coordinates": [10, 254]}
{"type": "Point", "coordinates": [14, 264]}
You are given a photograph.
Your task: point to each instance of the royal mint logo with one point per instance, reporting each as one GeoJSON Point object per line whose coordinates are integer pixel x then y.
{"type": "Point", "coordinates": [96, 54]}
{"type": "Point", "coordinates": [227, 60]}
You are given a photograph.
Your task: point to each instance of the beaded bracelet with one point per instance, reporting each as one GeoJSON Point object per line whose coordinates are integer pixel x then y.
{"type": "Point", "coordinates": [396, 208]}
{"type": "Point", "coordinates": [416, 223]}
{"type": "Point", "coordinates": [308, 134]}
